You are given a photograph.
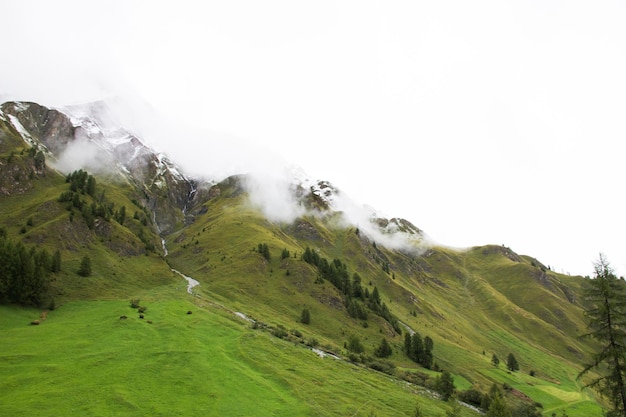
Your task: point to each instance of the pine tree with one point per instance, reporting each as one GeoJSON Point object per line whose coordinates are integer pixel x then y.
{"type": "Point", "coordinates": [495, 361]}
{"type": "Point", "coordinates": [607, 324]}
{"type": "Point", "coordinates": [85, 267]}
{"type": "Point", "coordinates": [56, 262]}
{"type": "Point", "coordinates": [511, 363]}
{"type": "Point", "coordinates": [427, 359]}
{"type": "Point", "coordinates": [383, 350]}
{"type": "Point", "coordinates": [407, 345]}
{"type": "Point", "coordinates": [91, 185]}
{"type": "Point", "coordinates": [445, 385]}
{"type": "Point", "coordinates": [264, 250]}
{"type": "Point", "coordinates": [120, 215]}
{"type": "Point", "coordinates": [417, 347]}
{"type": "Point", "coordinates": [305, 317]}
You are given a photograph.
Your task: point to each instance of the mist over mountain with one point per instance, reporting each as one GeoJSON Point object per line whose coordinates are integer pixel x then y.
{"type": "Point", "coordinates": [92, 137]}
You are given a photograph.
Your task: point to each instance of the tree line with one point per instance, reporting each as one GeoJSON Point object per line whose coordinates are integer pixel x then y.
{"type": "Point", "coordinates": [25, 272]}
{"type": "Point", "coordinates": [355, 297]}
{"type": "Point", "coordinates": [418, 349]}
{"type": "Point", "coordinates": [81, 184]}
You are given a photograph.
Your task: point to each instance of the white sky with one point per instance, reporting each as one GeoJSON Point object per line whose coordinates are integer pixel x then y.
{"type": "Point", "coordinates": [481, 122]}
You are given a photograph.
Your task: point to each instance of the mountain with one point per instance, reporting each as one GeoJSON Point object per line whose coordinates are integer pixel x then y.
{"type": "Point", "coordinates": [269, 252]}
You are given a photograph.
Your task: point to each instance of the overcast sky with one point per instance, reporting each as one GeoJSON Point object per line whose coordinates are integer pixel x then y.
{"type": "Point", "coordinates": [481, 122]}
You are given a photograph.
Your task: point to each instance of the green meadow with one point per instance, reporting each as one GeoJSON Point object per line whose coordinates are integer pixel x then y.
{"type": "Point", "coordinates": [84, 360]}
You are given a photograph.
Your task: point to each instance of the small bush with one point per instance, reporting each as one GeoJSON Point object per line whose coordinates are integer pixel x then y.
{"type": "Point", "coordinates": [471, 396]}
{"type": "Point", "coordinates": [280, 332]}
{"type": "Point", "coordinates": [354, 358]}
{"type": "Point", "coordinates": [134, 303]}
{"type": "Point", "coordinates": [142, 309]}
{"type": "Point", "coordinates": [383, 366]}
{"type": "Point", "coordinates": [313, 342]}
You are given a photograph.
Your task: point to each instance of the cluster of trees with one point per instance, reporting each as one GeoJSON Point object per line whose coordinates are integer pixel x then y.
{"type": "Point", "coordinates": [264, 250]}
{"type": "Point", "coordinates": [81, 184]}
{"type": "Point", "coordinates": [355, 297]}
{"type": "Point", "coordinates": [38, 157]}
{"type": "Point", "coordinates": [418, 349]}
{"type": "Point", "coordinates": [25, 272]}
{"type": "Point", "coordinates": [511, 362]}
{"type": "Point", "coordinates": [495, 402]}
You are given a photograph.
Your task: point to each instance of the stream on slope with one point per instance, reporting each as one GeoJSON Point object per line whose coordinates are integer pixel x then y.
{"type": "Point", "coordinates": [191, 283]}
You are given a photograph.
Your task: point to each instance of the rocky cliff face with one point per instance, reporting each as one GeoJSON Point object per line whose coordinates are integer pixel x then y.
{"type": "Point", "coordinates": [40, 125]}
{"type": "Point", "coordinates": [161, 185]}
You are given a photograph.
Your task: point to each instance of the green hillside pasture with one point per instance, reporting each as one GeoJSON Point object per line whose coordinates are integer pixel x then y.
{"type": "Point", "coordinates": [241, 279]}
{"type": "Point", "coordinates": [84, 360]}
{"type": "Point", "coordinates": [554, 384]}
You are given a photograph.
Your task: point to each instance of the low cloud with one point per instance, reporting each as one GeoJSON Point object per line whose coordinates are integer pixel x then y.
{"type": "Point", "coordinates": [82, 154]}
{"type": "Point", "coordinates": [272, 192]}
{"type": "Point", "coordinates": [378, 228]}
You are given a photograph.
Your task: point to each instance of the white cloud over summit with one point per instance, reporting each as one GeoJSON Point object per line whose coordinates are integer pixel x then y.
{"type": "Point", "coordinates": [482, 122]}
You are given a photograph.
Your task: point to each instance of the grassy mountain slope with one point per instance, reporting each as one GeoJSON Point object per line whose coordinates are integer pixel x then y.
{"type": "Point", "coordinates": [30, 211]}
{"type": "Point", "coordinates": [473, 304]}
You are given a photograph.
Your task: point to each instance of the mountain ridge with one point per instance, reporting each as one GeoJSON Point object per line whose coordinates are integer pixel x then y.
{"type": "Point", "coordinates": [473, 303]}
{"type": "Point", "coordinates": [72, 130]}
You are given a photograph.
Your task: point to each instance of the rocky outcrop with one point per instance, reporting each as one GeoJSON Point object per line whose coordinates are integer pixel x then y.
{"type": "Point", "coordinates": [160, 184]}
{"type": "Point", "coordinates": [48, 127]}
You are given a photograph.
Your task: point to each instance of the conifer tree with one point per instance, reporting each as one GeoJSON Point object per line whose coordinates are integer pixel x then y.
{"type": "Point", "coordinates": [445, 385]}
{"type": "Point", "coordinates": [85, 267]}
{"type": "Point", "coordinates": [511, 363]}
{"type": "Point", "coordinates": [56, 262]}
{"type": "Point", "coordinates": [383, 350]}
{"type": "Point", "coordinates": [427, 357]}
{"type": "Point", "coordinates": [407, 345]}
{"type": "Point", "coordinates": [417, 347]}
{"type": "Point", "coordinates": [305, 317]}
{"type": "Point", "coordinates": [495, 361]}
{"type": "Point", "coordinates": [607, 324]}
